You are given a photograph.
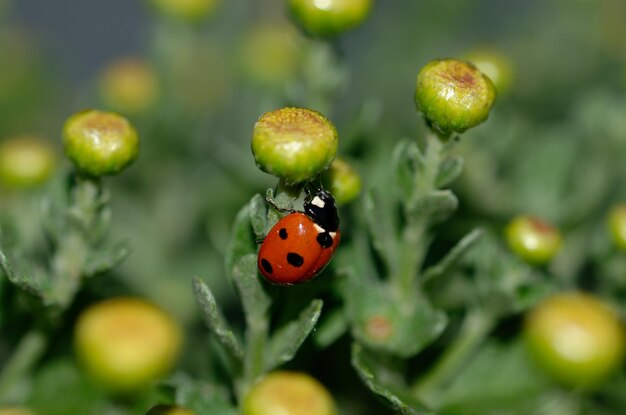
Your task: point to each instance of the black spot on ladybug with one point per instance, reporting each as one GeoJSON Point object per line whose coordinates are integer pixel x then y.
{"type": "Point", "coordinates": [324, 239]}
{"type": "Point", "coordinates": [282, 233]}
{"type": "Point", "coordinates": [266, 266]}
{"type": "Point", "coordinates": [295, 259]}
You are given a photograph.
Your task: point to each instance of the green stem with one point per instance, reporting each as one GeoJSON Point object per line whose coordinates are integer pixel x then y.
{"type": "Point", "coordinates": [20, 363]}
{"type": "Point", "coordinates": [476, 325]}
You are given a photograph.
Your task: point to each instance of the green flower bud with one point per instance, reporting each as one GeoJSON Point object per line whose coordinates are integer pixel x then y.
{"type": "Point", "coordinates": [129, 85]}
{"type": "Point", "coordinates": [100, 143]}
{"type": "Point", "coordinates": [453, 95]}
{"type": "Point", "coordinates": [495, 65]}
{"type": "Point", "coordinates": [186, 10]}
{"type": "Point", "coordinates": [25, 161]}
{"type": "Point", "coordinates": [575, 338]}
{"type": "Point", "coordinates": [532, 239]}
{"type": "Point", "coordinates": [343, 181]}
{"type": "Point", "coordinates": [169, 410]}
{"type": "Point", "coordinates": [126, 343]}
{"type": "Point", "coordinates": [617, 225]}
{"type": "Point", "coordinates": [294, 144]}
{"type": "Point", "coordinates": [329, 17]}
{"type": "Point", "coordinates": [288, 393]}
{"type": "Point", "coordinates": [270, 53]}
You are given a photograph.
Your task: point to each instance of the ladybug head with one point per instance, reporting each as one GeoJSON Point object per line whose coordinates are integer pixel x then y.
{"type": "Point", "coordinates": [321, 208]}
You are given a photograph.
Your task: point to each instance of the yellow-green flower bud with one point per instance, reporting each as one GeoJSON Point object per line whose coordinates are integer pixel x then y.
{"type": "Point", "coordinates": [126, 343]}
{"type": "Point", "coordinates": [617, 225]}
{"type": "Point", "coordinates": [329, 17]}
{"type": "Point", "coordinates": [270, 53]}
{"type": "Point", "coordinates": [288, 393]}
{"type": "Point", "coordinates": [294, 144]}
{"type": "Point", "coordinates": [16, 411]}
{"type": "Point", "coordinates": [186, 10]}
{"type": "Point", "coordinates": [453, 95]}
{"type": "Point", "coordinates": [129, 85]}
{"type": "Point", "coordinates": [532, 239]}
{"type": "Point", "coordinates": [170, 410]}
{"type": "Point", "coordinates": [25, 161]}
{"type": "Point", "coordinates": [100, 143]}
{"type": "Point", "coordinates": [495, 65]}
{"type": "Point", "coordinates": [343, 181]}
{"type": "Point", "coordinates": [575, 338]}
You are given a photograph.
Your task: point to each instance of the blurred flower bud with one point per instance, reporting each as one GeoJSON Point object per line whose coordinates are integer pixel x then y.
{"type": "Point", "coordinates": [100, 143]}
{"type": "Point", "coordinates": [288, 393]}
{"type": "Point", "coordinates": [343, 181]}
{"type": "Point", "coordinates": [617, 225]}
{"type": "Point", "coordinates": [495, 65]}
{"type": "Point", "coordinates": [129, 85]}
{"type": "Point", "coordinates": [186, 10]}
{"type": "Point", "coordinates": [575, 338]}
{"type": "Point", "coordinates": [25, 161]}
{"type": "Point", "coordinates": [270, 53]}
{"type": "Point", "coordinates": [126, 343]}
{"type": "Point", "coordinates": [294, 144]}
{"type": "Point", "coordinates": [169, 410]}
{"type": "Point", "coordinates": [16, 411]}
{"type": "Point", "coordinates": [326, 18]}
{"type": "Point", "coordinates": [453, 95]}
{"type": "Point", "coordinates": [532, 239]}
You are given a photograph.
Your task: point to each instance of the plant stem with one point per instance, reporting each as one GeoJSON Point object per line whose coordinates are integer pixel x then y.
{"type": "Point", "coordinates": [476, 326]}
{"type": "Point", "coordinates": [25, 356]}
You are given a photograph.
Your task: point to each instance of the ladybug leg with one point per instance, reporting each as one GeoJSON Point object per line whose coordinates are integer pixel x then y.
{"type": "Point", "coordinates": [259, 241]}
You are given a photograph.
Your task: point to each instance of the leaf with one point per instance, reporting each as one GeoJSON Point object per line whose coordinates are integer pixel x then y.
{"type": "Point", "coordinates": [105, 258]}
{"type": "Point", "coordinates": [215, 320]}
{"type": "Point", "coordinates": [204, 398]}
{"type": "Point", "coordinates": [258, 215]}
{"type": "Point", "coordinates": [332, 326]}
{"type": "Point", "coordinates": [407, 161]}
{"type": "Point", "coordinates": [242, 240]}
{"type": "Point", "coordinates": [32, 284]}
{"type": "Point", "coordinates": [382, 230]}
{"type": "Point", "coordinates": [255, 301]}
{"type": "Point", "coordinates": [437, 204]}
{"type": "Point", "coordinates": [285, 342]}
{"type": "Point", "coordinates": [385, 383]}
{"type": "Point", "coordinates": [449, 170]}
{"type": "Point", "coordinates": [452, 257]}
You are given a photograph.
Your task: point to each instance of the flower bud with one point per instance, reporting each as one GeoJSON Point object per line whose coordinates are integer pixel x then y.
{"type": "Point", "coordinates": [288, 393]}
{"type": "Point", "coordinates": [169, 410]}
{"type": "Point", "coordinates": [129, 85]}
{"type": "Point", "coordinates": [16, 411]}
{"type": "Point", "coordinates": [294, 144]}
{"type": "Point", "coordinates": [453, 95]}
{"type": "Point", "coordinates": [575, 338]}
{"type": "Point", "coordinates": [532, 239]}
{"type": "Point", "coordinates": [617, 225]}
{"type": "Point", "coordinates": [495, 65]}
{"type": "Point", "coordinates": [186, 10]}
{"type": "Point", "coordinates": [126, 343]}
{"type": "Point", "coordinates": [25, 161]}
{"type": "Point", "coordinates": [329, 17]}
{"type": "Point", "coordinates": [100, 143]}
{"type": "Point", "coordinates": [343, 181]}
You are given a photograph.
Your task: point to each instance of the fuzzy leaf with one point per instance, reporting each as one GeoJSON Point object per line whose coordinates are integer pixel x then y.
{"type": "Point", "coordinates": [215, 320]}
{"type": "Point", "coordinates": [407, 160]}
{"type": "Point", "coordinates": [204, 398]}
{"type": "Point", "coordinates": [258, 215]}
{"type": "Point", "coordinates": [242, 242]}
{"type": "Point", "coordinates": [385, 382]}
{"type": "Point", "coordinates": [382, 230]}
{"type": "Point", "coordinates": [332, 326]}
{"type": "Point", "coordinates": [31, 282]}
{"type": "Point", "coordinates": [451, 258]}
{"type": "Point", "coordinates": [105, 258]}
{"type": "Point", "coordinates": [449, 170]}
{"type": "Point", "coordinates": [286, 341]}
{"type": "Point", "coordinates": [255, 301]}
{"type": "Point", "coordinates": [438, 205]}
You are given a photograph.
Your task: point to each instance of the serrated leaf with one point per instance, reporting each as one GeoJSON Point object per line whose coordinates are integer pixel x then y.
{"type": "Point", "coordinates": [385, 383]}
{"type": "Point", "coordinates": [381, 230]}
{"type": "Point", "coordinates": [242, 240]}
{"type": "Point", "coordinates": [287, 340]}
{"type": "Point", "coordinates": [255, 301]}
{"type": "Point", "coordinates": [438, 205]}
{"type": "Point", "coordinates": [453, 256]}
{"type": "Point", "coordinates": [32, 283]}
{"type": "Point", "coordinates": [258, 216]}
{"type": "Point", "coordinates": [215, 320]}
{"type": "Point", "coordinates": [105, 258]}
{"type": "Point", "coordinates": [449, 170]}
{"type": "Point", "coordinates": [332, 326]}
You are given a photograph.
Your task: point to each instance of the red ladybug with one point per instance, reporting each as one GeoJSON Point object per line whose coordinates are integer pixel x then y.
{"type": "Point", "coordinates": [301, 244]}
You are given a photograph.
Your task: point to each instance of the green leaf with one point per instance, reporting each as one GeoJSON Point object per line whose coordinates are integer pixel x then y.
{"type": "Point", "coordinates": [215, 320]}
{"type": "Point", "coordinates": [437, 204]}
{"type": "Point", "coordinates": [32, 282]}
{"type": "Point", "coordinates": [453, 256]}
{"type": "Point", "coordinates": [105, 258]}
{"type": "Point", "coordinates": [385, 382]}
{"type": "Point", "coordinates": [242, 240]}
{"type": "Point", "coordinates": [382, 230]}
{"type": "Point", "coordinates": [258, 216]}
{"type": "Point", "coordinates": [204, 398]}
{"type": "Point", "coordinates": [255, 301]}
{"type": "Point", "coordinates": [331, 326]}
{"type": "Point", "coordinates": [287, 340]}
{"type": "Point", "coordinates": [407, 162]}
{"type": "Point", "coordinates": [449, 170]}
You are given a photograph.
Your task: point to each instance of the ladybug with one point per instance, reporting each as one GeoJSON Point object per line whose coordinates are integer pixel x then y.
{"type": "Point", "coordinates": [301, 244]}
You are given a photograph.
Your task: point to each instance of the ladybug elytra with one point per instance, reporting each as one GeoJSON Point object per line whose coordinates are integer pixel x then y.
{"type": "Point", "coordinates": [301, 244]}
